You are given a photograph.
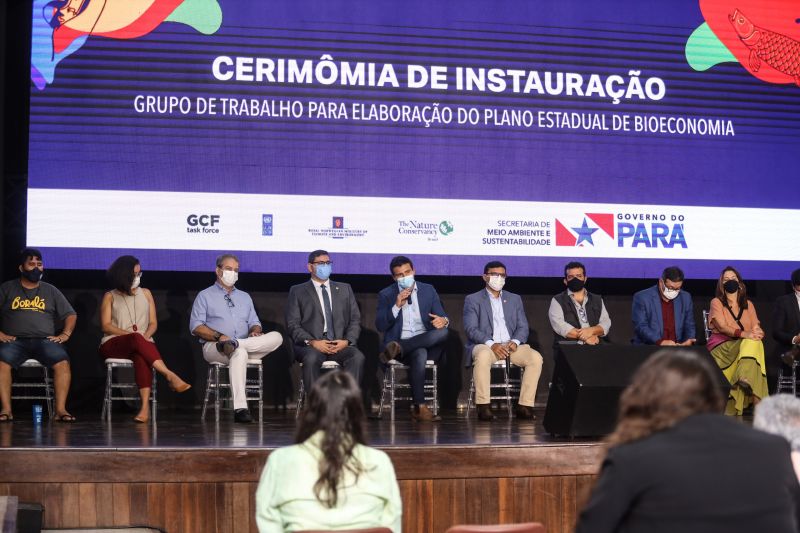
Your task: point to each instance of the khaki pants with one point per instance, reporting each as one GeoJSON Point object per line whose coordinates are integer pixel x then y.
{"type": "Point", "coordinates": [524, 356]}
{"type": "Point", "coordinates": [249, 348]}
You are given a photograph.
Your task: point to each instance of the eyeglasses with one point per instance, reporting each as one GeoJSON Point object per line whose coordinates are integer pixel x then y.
{"type": "Point", "coordinates": [322, 263]}
{"type": "Point", "coordinates": [229, 301]}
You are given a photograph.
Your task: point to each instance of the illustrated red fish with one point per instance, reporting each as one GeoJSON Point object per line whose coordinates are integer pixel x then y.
{"type": "Point", "coordinates": [778, 51]}
{"type": "Point", "coordinates": [765, 42]}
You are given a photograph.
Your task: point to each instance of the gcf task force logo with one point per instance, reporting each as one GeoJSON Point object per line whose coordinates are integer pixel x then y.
{"type": "Point", "coordinates": [762, 35]}
{"type": "Point", "coordinates": [627, 230]}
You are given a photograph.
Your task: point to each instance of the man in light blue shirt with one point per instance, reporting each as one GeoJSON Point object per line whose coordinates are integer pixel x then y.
{"type": "Point", "coordinates": [225, 320]}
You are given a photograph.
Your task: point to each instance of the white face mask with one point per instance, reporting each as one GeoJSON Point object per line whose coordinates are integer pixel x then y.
{"type": "Point", "coordinates": [229, 278]}
{"type": "Point", "coordinates": [671, 294]}
{"type": "Point", "coordinates": [136, 281]}
{"type": "Point", "coordinates": [497, 282]}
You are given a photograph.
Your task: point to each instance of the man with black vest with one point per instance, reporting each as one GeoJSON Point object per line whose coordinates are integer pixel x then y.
{"type": "Point", "coordinates": [576, 314]}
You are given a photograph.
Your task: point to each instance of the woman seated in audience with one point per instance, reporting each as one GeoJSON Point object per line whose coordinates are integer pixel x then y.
{"type": "Point", "coordinates": [736, 342]}
{"type": "Point", "coordinates": [675, 463]}
{"type": "Point", "coordinates": [330, 479]}
{"type": "Point", "coordinates": [128, 319]}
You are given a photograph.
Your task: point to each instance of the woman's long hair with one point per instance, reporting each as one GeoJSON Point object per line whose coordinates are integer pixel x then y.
{"type": "Point", "coordinates": [120, 273]}
{"type": "Point", "coordinates": [334, 406]}
{"type": "Point", "coordinates": [670, 386]}
{"type": "Point", "coordinates": [722, 296]}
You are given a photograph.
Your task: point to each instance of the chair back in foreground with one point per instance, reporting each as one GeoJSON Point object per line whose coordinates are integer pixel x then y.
{"type": "Point", "coordinates": [367, 530]}
{"type": "Point", "coordinates": [528, 527]}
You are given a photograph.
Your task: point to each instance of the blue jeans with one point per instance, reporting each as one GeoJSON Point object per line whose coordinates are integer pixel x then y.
{"type": "Point", "coordinates": [45, 351]}
{"type": "Point", "coordinates": [417, 351]}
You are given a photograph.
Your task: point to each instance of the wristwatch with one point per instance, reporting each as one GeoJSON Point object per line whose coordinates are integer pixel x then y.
{"type": "Point", "coordinates": [217, 335]}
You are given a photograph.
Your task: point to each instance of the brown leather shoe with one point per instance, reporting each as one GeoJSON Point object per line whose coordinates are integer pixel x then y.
{"type": "Point", "coordinates": [485, 412]}
{"type": "Point", "coordinates": [524, 412]}
{"type": "Point", "coordinates": [790, 356]}
{"type": "Point", "coordinates": [392, 351]}
{"type": "Point", "coordinates": [423, 414]}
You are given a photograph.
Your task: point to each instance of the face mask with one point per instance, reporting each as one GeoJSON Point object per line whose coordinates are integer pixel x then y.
{"type": "Point", "coordinates": [575, 284]}
{"type": "Point", "coordinates": [33, 275]}
{"type": "Point", "coordinates": [497, 282]}
{"type": "Point", "coordinates": [406, 282]}
{"type": "Point", "coordinates": [671, 294]}
{"type": "Point", "coordinates": [731, 286]}
{"type": "Point", "coordinates": [229, 278]}
{"type": "Point", "coordinates": [136, 281]}
{"type": "Point", "coordinates": [323, 272]}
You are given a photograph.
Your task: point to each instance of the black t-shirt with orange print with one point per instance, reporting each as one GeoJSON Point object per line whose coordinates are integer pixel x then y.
{"type": "Point", "coordinates": [31, 313]}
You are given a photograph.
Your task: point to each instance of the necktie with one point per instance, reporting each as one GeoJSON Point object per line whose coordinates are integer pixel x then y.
{"type": "Point", "coordinates": [326, 300]}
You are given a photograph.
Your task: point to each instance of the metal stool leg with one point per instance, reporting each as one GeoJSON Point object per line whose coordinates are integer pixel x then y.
{"type": "Point", "coordinates": [48, 391]}
{"type": "Point", "coordinates": [435, 390]}
{"type": "Point", "coordinates": [507, 386]}
{"type": "Point", "coordinates": [208, 393]}
{"type": "Point", "coordinates": [107, 396]}
{"type": "Point", "coordinates": [301, 397]}
{"type": "Point", "coordinates": [216, 394]}
{"type": "Point", "coordinates": [383, 392]}
{"type": "Point", "coordinates": [471, 395]}
{"type": "Point", "coordinates": [260, 393]}
{"type": "Point", "coordinates": [392, 385]}
{"type": "Point", "coordinates": [154, 397]}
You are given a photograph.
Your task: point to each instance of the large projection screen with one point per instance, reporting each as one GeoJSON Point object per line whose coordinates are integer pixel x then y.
{"type": "Point", "coordinates": [628, 134]}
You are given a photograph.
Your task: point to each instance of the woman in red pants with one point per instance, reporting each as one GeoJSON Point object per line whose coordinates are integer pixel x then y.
{"type": "Point", "coordinates": [128, 319]}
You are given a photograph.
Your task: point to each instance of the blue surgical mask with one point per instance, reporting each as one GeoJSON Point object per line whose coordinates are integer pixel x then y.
{"type": "Point", "coordinates": [406, 282]}
{"type": "Point", "coordinates": [323, 272]}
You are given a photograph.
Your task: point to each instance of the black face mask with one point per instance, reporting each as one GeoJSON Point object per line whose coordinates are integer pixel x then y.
{"type": "Point", "coordinates": [33, 275]}
{"type": "Point", "coordinates": [731, 286]}
{"type": "Point", "coordinates": [575, 284]}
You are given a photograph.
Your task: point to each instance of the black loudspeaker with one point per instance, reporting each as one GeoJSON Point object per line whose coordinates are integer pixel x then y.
{"type": "Point", "coordinates": [587, 383]}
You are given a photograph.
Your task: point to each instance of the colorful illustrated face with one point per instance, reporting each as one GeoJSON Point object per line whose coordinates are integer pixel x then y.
{"type": "Point", "coordinates": [70, 10]}
{"type": "Point", "coordinates": [60, 27]}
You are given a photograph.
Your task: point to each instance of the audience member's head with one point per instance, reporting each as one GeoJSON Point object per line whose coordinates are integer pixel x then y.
{"type": "Point", "coordinates": [334, 407]}
{"type": "Point", "coordinates": [780, 415]}
{"type": "Point", "coordinates": [669, 387]}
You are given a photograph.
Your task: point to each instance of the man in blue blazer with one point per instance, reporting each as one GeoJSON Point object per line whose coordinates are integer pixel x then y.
{"type": "Point", "coordinates": [664, 314]}
{"type": "Point", "coordinates": [497, 328]}
{"type": "Point", "coordinates": [414, 326]}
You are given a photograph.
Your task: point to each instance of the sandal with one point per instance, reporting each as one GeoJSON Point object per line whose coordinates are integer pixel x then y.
{"type": "Point", "coordinates": [5, 417]}
{"type": "Point", "coordinates": [65, 418]}
{"type": "Point", "coordinates": [141, 420]}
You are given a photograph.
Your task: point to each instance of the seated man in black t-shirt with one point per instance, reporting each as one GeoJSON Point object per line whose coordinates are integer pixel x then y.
{"type": "Point", "coordinates": [29, 309]}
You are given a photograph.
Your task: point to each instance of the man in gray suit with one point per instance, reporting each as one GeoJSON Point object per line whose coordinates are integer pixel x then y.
{"type": "Point", "coordinates": [496, 328]}
{"type": "Point", "coordinates": [323, 320]}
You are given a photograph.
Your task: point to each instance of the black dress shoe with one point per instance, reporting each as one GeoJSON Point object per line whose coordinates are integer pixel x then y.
{"type": "Point", "coordinates": [790, 356]}
{"type": "Point", "coordinates": [524, 412]}
{"type": "Point", "coordinates": [485, 412]}
{"type": "Point", "coordinates": [392, 351]}
{"type": "Point", "coordinates": [242, 416]}
{"type": "Point", "coordinates": [227, 347]}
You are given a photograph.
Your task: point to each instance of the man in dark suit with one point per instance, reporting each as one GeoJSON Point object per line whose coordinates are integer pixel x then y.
{"type": "Point", "coordinates": [664, 314]}
{"type": "Point", "coordinates": [497, 329]}
{"type": "Point", "coordinates": [786, 322]}
{"type": "Point", "coordinates": [323, 320]}
{"type": "Point", "coordinates": [414, 326]}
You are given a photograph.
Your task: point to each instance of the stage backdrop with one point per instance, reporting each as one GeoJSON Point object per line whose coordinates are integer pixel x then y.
{"type": "Point", "coordinates": [626, 133]}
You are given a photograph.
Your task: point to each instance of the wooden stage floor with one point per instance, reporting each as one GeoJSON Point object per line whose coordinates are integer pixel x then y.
{"type": "Point", "coordinates": [183, 475]}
